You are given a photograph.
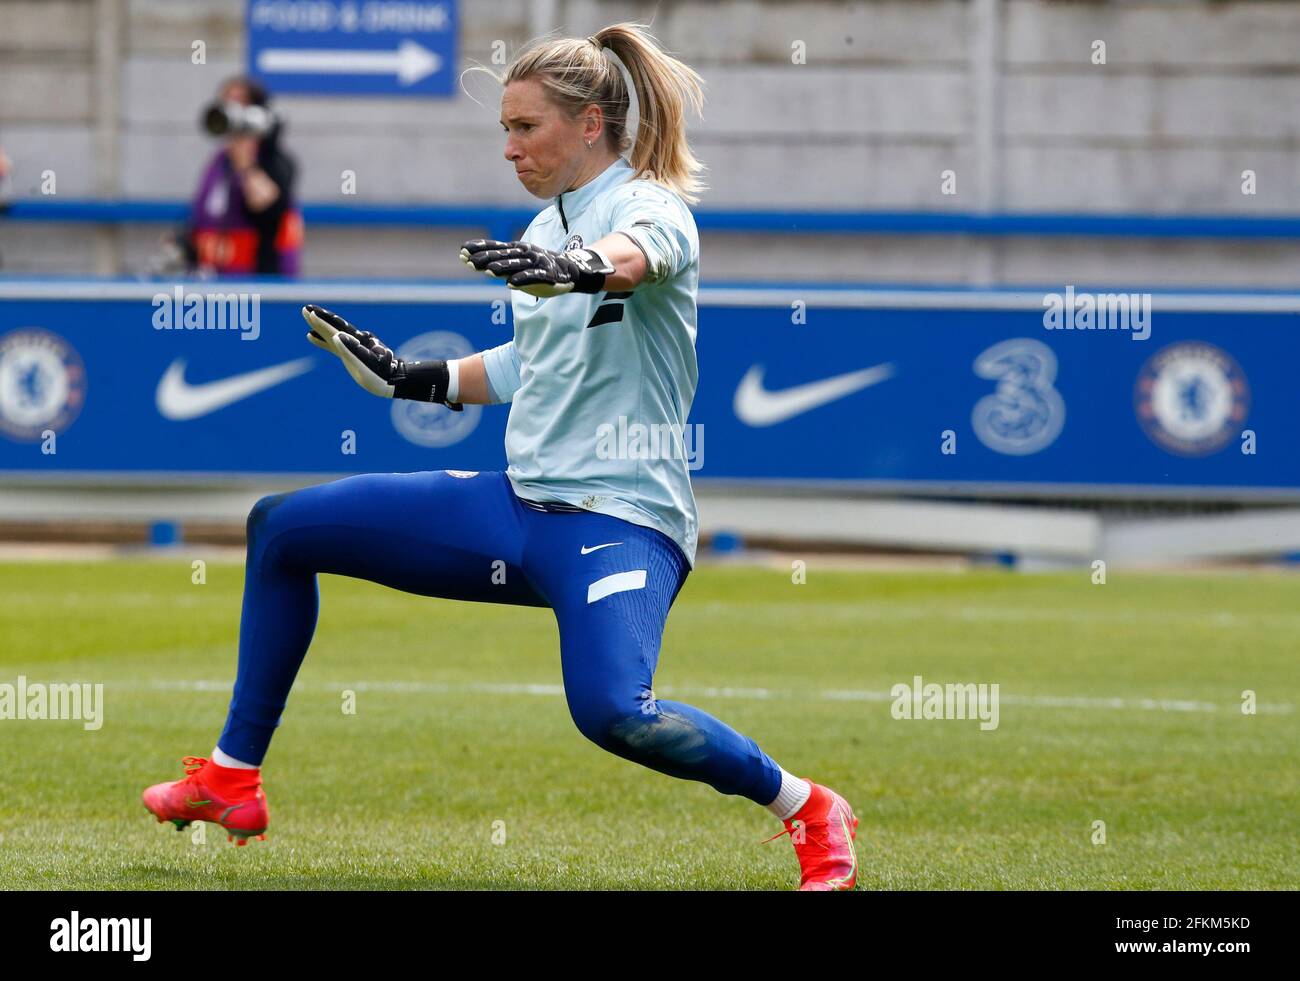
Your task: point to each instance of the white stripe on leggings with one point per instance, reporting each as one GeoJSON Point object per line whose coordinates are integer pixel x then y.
{"type": "Point", "coordinates": [617, 583]}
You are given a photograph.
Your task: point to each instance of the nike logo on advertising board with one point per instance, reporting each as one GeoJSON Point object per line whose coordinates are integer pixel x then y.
{"type": "Point", "coordinates": [757, 406]}
{"type": "Point", "coordinates": [177, 399]}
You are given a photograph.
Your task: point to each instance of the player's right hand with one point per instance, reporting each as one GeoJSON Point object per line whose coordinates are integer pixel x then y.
{"type": "Point", "coordinates": [372, 364]}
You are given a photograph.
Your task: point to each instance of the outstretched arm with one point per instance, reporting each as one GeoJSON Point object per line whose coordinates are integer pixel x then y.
{"type": "Point", "coordinates": [472, 375]}
{"type": "Point", "coordinates": [616, 262]}
{"type": "Point", "coordinates": [373, 365]}
{"type": "Point", "coordinates": [627, 259]}
{"type": "Point", "coordinates": [486, 378]}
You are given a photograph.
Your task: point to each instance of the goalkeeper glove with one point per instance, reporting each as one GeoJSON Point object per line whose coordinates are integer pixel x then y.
{"type": "Point", "coordinates": [536, 270]}
{"type": "Point", "coordinates": [372, 365]}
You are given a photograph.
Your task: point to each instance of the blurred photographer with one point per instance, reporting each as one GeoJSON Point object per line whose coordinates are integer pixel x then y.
{"type": "Point", "coordinates": [244, 218]}
{"type": "Point", "coordinates": [6, 185]}
{"type": "Point", "coordinates": [6, 188]}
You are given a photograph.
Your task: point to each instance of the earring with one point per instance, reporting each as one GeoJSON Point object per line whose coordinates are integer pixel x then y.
{"type": "Point", "coordinates": [589, 144]}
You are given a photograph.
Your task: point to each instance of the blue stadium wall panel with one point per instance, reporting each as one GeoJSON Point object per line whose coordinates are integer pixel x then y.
{"type": "Point", "coordinates": [960, 391]}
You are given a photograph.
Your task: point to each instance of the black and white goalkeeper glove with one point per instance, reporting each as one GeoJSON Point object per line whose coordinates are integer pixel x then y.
{"type": "Point", "coordinates": [539, 271]}
{"type": "Point", "coordinates": [373, 365]}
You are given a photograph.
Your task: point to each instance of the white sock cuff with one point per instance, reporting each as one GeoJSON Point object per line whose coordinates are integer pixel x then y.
{"type": "Point", "coordinates": [453, 381]}
{"type": "Point", "coordinates": [224, 759]}
{"type": "Point", "coordinates": [794, 793]}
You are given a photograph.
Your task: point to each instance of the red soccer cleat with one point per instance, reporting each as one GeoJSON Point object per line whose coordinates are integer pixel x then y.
{"type": "Point", "coordinates": [823, 831]}
{"type": "Point", "coordinates": [227, 796]}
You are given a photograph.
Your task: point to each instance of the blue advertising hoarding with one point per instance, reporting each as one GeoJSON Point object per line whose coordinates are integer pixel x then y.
{"type": "Point", "coordinates": [353, 47]}
{"type": "Point", "coordinates": [958, 391]}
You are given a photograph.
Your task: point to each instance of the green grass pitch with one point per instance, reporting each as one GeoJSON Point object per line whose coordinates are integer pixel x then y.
{"type": "Point", "coordinates": [461, 769]}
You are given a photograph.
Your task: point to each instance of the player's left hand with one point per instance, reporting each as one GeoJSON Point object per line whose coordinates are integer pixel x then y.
{"type": "Point", "coordinates": [533, 269]}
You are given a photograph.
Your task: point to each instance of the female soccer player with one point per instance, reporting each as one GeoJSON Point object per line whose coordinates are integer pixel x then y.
{"type": "Point", "coordinates": [604, 289]}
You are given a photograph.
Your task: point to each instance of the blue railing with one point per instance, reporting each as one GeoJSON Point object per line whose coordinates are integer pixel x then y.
{"type": "Point", "coordinates": [506, 222]}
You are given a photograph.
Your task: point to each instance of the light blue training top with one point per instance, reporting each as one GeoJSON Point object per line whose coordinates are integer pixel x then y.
{"type": "Point", "coordinates": [601, 384]}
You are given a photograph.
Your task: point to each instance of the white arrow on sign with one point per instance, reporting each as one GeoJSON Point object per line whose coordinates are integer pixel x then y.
{"type": "Point", "coordinates": [410, 62]}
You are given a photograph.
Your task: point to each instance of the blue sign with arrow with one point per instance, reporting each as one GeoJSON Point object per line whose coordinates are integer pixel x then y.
{"type": "Point", "coordinates": [353, 47]}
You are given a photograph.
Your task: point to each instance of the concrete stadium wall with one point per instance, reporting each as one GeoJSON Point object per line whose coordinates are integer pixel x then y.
{"type": "Point", "coordinates": [894, 92]}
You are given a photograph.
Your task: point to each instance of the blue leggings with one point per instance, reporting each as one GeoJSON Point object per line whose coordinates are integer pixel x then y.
{"type": "Point", "coordinates": [470, 538]}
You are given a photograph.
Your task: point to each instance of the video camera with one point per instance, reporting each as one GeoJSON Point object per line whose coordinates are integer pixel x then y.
{"type": "Point", "coordinates": [223, 118]}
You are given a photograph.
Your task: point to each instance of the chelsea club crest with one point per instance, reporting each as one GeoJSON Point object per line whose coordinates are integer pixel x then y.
{"type": "Point", "coordinates": [42, 384]}
{"type": "Point", "coordinates": [1191, 398]}
{"type": "Point", "coordinates": [574, 242]}
{"type": "Point", "coordinates": [427, 423]}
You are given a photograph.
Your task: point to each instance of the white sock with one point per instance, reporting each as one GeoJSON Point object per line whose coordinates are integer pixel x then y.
{"type": "Point", "coordinates": [793, 795]}
{"type": "Point", "coordinates": [221, 759]}
{"type": "Point", "coordinates": [453, 381]}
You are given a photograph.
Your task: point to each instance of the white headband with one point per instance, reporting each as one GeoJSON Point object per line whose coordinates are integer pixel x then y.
{"type": "Point", "coordinates": [633, 108]}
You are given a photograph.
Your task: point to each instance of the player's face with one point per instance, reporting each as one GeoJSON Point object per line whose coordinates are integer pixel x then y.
{"type": "Point", "coordinates": [545, 146]}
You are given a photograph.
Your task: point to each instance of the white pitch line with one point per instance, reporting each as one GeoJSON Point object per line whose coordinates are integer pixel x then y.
{"type": "Point", "coordinates": [836, 695]}
{"type": "Point", "coordinates": [972, 614]}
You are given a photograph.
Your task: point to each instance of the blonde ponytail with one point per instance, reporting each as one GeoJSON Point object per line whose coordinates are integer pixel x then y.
{"type": "Point", "coordinates": [665, 87]}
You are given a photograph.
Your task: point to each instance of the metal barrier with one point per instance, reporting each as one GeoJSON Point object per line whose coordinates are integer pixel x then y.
{"type": "Point", "coordinates": [503, 221]}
